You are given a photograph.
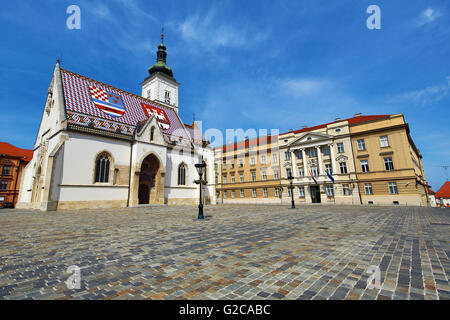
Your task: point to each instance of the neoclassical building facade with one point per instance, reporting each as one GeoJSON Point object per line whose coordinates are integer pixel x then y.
{"type": "Point", "coordinates": [102, 147]}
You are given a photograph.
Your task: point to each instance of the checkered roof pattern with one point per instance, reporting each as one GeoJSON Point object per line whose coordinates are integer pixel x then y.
{"type": "Point", "coordinates": [78, 99]}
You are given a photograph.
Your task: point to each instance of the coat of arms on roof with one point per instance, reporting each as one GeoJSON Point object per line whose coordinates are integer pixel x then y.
{"type": "Point", "coordinates": [160, 115]}
{"type": "Point", "coordinates": [108, 102]}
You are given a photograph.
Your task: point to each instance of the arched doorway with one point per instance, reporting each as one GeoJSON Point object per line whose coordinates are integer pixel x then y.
{"type": "Point", "coordinates": [148, 177]}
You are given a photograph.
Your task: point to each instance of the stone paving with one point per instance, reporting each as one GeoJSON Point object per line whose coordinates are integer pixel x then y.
{"type": "Point", "coordinates": [239, 252]}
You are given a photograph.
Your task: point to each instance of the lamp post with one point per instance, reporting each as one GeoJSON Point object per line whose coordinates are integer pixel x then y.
{"type": "Point", "coordinates": [290, 178]}
{"type": "Point", "coordinates": [201, 170]}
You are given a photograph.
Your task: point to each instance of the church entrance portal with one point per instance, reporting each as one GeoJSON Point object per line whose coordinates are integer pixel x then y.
{"type": "Point", "coordinates": [147, 180]}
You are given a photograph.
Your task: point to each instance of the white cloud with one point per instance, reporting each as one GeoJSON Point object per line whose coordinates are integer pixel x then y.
{"type": "Point", "coordinates": [427, 95]}
{"type": "Point", "coordinates": [206, 31]}
{"type": "Point", "coordinates": [303, 86]}
{"type": "Point", "coordinates": [427, 16]}
{"type": "Point", "coordinates": [102, 11]}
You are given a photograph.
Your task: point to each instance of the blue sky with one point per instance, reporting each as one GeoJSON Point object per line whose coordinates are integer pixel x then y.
{"type": "Point", "coordinates": [243, 64]}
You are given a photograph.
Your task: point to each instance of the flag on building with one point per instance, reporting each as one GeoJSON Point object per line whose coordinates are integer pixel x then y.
{"type": "Point", "coordinates": [315, 181]}
{"type": "Point", "coordinates": [329, 175]}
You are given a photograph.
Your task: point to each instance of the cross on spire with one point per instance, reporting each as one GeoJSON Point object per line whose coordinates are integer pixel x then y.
{"type": "Point", "coordinates": [162, 34]}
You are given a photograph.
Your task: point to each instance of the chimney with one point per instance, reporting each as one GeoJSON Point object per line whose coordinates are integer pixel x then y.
{"type": "Point", "coordinates": [337, 119]}
{"type": "Point", "coordinates": [290, 130]}
{"type": "Point", "coordinates": [304, 127]}
{"type": "Point", "coordinates": [357, 115]}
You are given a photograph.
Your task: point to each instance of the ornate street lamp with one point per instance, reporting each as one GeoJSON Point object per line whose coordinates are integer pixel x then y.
{"type": "Point", "coordinates": [290, 178]}
{"type": "Point", "coordinates": [201, 171]}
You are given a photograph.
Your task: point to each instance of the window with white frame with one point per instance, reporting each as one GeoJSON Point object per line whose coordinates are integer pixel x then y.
{"type": "Point", "coordinates": [288, 172]}
{"type": "Point", "coordinates": [232, 164]}
{"type": "Point", "coordinates": [393, 188]}
{"type": "Point", "coordinates": [265, 192]}
{"type": "Point", "coordinates": [346, 189]}
{"type": "Point", "coordinates": [340, 147]}
{"type": "Point", "coordinates": [301, 172]}
{"type": "Point", "coordinates": [242, 193]}
{"type": "Point", "coordinates": [275, 174]}
{"type": "Point", "coordinates": [299, 154]}
{"type": "Point", "coordinates": [225, 194]}
{"type": "Point", "coordinates": [328, 168]}
{"type": "Point", "coordinates": [232, 178]}
{"type": "Point", "coordinates": [326, 150]}
{"type": "Point", "coordinates": [287, 155]}
{"type": "Point", "coordinates": [330, 190]}
{"type": "Point", "coordinates": [301, 192]}
{"type": "Point", "coordinates": [312, 152]}
{"type": "Point", "coordinates": [224, 165]}
{"type": "Point", "coordinates": [384, 141]}
{"type": "Point", "coordinates": [343, 167]}
{"type": "Point", "coordinates": [388, 164]}
{"type": "Point", "coordinates": [224, 179]}
{"type": "Point", "coordinates": [277, 192]}
{"type": "Point", "coordinates": [274, 158]}
{"type": "Point", "coordinates": [252, 161]}
{"type": "Point", "coordinates": [241, 163]}
{"type": "Point", "coordinates": [314, 171]}
{"type": "Point", "coordinates": [241, 177]}
{"type": "Point", "coordinates": [233, 194]}
{"type": "Point", "coordinates": [361, 145]}
{"type": "Point", "coordinates": [254, 193]}
{"type": "Point", "coordinates": [253, 176]}
{"type": "Point", "coordinates": [365, 166]}
{"type": "Point", "coordinates": [264, 175]}
{"type": "Point", "coordinates": [263, 159]}
{"type": "Point", "coordinates": [368, 189]}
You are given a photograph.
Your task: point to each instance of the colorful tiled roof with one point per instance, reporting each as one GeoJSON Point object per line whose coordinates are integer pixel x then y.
{"type": "Point", "coordinates": [13, 151]}
{"type": "Point", "coordinates": [93, 104]}
{"type": "Point", "coordinates": [444, 191]}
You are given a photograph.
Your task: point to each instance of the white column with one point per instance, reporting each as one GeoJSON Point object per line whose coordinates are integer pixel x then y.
{"type": "Point", "coordinates": [294, 169]}
{"type": "Point", "coordinates": [320, 164]}
{"type": "Point", "coordinates": [304, 163]}
{"type": "Point", "coordinates": [334, 167]}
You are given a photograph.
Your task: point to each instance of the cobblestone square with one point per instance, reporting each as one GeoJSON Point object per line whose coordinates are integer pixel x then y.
{"type": "Point", "coordinates": [238, 252]}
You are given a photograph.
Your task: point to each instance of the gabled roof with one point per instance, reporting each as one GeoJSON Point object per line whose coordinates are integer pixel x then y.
{"type": "Point", "coordinates": [96, 105]}
{"type": "Point", "coordinates": [13, 151]}
{"type": "Point", "coordinates": [444, 191]}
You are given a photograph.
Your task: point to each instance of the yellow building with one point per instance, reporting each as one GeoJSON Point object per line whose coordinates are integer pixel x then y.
{"type": "Point", "coordinates": [388, 164]}
{"type": "Point", "coordinates": [248, 171]}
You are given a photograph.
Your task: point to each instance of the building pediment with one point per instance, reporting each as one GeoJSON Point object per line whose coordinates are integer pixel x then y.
{"type": "Point", "coordinates": [310, 138]}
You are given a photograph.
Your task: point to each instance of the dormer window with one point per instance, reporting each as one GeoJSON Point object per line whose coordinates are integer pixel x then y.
{"type": "Point", "coordinates": [167, 97]}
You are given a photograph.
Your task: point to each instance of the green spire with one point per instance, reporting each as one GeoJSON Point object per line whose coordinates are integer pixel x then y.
{"type": "Point", "coordinates": [161, 56]}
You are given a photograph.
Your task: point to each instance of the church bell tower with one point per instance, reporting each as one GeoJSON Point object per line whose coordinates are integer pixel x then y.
{"type": "Point", "coordinates": [160, 85]}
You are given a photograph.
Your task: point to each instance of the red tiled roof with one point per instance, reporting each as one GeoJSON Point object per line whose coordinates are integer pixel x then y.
{"type": "Point", "coordinates": [351, 121]}
{"type": "Point", "coordinates": [13, 151]}
{"type": "Point", "coordinates": [444, 191]}
{"type": "Point", "coordinates": [247, 143]}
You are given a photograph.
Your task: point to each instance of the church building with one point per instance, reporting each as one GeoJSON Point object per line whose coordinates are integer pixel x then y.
{"type": "Point", "coordinates": [101, 147]}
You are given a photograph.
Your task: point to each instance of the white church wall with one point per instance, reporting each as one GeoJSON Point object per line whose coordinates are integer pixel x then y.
{"type": "Point", "coordinates": [81, 151]}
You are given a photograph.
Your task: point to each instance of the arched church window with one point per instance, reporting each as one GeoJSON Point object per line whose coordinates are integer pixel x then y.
{"type": "Point", "coordinates": [182, 174]}
{"type": "Point", "coordinates": [152, 133]}
{"type": "Point", "coordinates": [102, 165]}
